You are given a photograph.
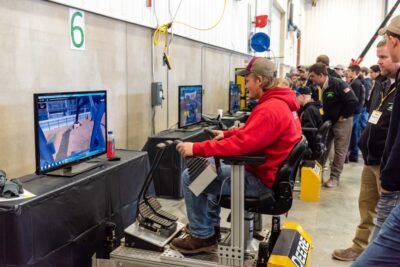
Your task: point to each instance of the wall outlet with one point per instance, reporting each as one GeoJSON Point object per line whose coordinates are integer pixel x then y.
{"type": "Point", "coordinates": [157, 94]}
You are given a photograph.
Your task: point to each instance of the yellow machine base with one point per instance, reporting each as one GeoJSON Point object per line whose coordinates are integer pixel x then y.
{"type": "Point", "coordinates": [310, 188]}
{"type": "Point", "coordinates": [293, 247]}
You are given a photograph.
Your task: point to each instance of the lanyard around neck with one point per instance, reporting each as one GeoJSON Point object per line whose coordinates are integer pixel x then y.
{"type": "Point", "coordinates": [386, 96]}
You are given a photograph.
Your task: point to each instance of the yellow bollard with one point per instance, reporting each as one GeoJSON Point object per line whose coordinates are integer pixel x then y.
{"type": "Point", "coordinates": [310, 188]}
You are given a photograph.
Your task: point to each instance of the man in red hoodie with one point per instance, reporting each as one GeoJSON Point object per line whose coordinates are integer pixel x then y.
{"type": "Point", "coordinates": [272, 130]}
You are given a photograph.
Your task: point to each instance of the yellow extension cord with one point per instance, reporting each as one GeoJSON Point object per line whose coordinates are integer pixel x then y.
{"type": "Point", "coordinates": [163, 30]}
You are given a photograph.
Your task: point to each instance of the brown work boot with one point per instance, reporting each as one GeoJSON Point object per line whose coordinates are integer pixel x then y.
{"type": "Point", "coordinates": [331, 183]}
{"type": "Point", "coordinates": [193, 245]}
{"type": "Point", "coordinates": [217, 231]}
{"type": "Point", "coordinates": [348, 254]}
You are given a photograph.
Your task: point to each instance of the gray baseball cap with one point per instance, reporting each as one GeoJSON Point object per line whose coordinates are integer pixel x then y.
{"type": "Point", "coordinates": [393, 27]}
{"type": "Point", "coordinates": [340, 67]}
{"type": "Point", "coordinates": [260, 66]}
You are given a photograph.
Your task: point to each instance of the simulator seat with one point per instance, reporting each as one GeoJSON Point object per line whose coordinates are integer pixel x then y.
{"type": "Point", "coordinates": [281, 201]}
{"type": "Point", "coordinates": [319, 148]}
{"type": "Point", "coordinates": [312, 168]}
{"type": "Point", "coordinates": [276, 203]}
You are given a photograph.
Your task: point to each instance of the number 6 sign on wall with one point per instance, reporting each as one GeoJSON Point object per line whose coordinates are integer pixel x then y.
{"type": "Point", "coordinates": [77, 29]}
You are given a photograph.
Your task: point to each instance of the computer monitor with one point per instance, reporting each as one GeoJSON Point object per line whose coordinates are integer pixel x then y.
{"type": "Point", "coordinates": [69, 128]}
{"type": "Point", "coordinates": [190, 105]}
{"type": "Point", "coordinates": [234, 98]}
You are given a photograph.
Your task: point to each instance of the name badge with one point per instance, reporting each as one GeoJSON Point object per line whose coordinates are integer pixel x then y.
{"type": "Point", "coordinates": [375, 117]}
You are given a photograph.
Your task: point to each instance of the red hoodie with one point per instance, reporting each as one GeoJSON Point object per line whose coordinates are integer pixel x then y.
{"type": "Point", "coordinates": [272, 130]}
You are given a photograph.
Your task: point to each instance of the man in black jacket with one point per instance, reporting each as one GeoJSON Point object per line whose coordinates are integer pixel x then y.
{"type": "Point", "coordinates": [385, 248]}
{"type": "Point", "coordinates": [372, 143]}
{"type": "Point", "coordinates": [368, 83]}
{"type": "Point", "coordinates": [339, 103]}
{"type": "Point", "coordinates": [356, 84]}
{"type": "Point", "coordinates": [323, 59]}
{"type": "Point", "coordinates": [375, 73]}
{"type": "Point", "coordinates": [310, 116]}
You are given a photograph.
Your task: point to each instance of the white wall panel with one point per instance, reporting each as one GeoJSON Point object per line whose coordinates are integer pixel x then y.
{"type": "Point", "coordinates": [231, 33]}
{"type": "Point", "coordinates": [275, 32]}
{"type": "Point", "coordinates": [290, 49]}
{"type": "Point", "coordinates": [341, 29]}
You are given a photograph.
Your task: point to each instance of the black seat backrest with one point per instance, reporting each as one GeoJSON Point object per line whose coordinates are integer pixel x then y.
{"type": "Point", "coordinates": [284, 181]}
{"type": "Point", "coordinates": [320, 145]}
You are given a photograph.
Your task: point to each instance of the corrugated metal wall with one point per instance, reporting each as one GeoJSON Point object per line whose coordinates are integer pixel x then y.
{"type": "Point", "coordinates": [341, 29]}
{"type": "Point", "coordinates": [231, 33]}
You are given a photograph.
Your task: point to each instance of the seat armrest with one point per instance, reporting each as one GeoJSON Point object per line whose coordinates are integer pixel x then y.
{"type": "Point", "coordinates": [240, 160]}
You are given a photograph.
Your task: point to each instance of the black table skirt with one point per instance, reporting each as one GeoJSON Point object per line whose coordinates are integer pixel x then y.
{"type": "Point", "coordinates": [64, 225]}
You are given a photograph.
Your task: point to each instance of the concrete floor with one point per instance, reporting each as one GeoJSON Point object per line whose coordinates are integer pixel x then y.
{"type": "Point", "coordinates": [330, 222]}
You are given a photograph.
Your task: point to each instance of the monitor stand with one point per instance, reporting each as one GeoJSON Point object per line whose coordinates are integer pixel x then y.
{"type": "Point", "coordinates": [74, 170]}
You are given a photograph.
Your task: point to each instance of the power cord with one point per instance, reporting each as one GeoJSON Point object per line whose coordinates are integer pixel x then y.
{"type": "Point", "coordinates": [163, 30]}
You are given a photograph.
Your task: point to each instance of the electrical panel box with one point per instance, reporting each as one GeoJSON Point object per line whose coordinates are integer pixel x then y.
{"type": "Point", "coordinates": [156, 94]}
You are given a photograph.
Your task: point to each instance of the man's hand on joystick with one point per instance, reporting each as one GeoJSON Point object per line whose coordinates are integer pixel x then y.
{"type": "Point", "coordinates": [185, 149]}
{"type": "Point", "coordinates": [218, 135]}
{"type": "Point", "coordinates": [215, 134]}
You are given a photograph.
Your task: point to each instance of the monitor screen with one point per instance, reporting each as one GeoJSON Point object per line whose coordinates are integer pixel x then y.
{"type": "Point", "coordinates": [69, 127]}
{"type": "Point", "coordinates": [234, 98]}
{"type": "Point", "coordinates": [190, 105]}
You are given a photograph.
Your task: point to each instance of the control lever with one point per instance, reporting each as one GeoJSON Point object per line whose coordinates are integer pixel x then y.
{"type": "Point", "coordinates": [168, 142]}
{"type": "Point", "coordinates": [150, 201]}
{"type": "Point", "coordinates": [217, 121]}
{"type": "Point", "coordinates": [210, 133]}
{"type": "Point", "coordinates": [222, 125]}
{"type": "Point", "coordinates": [159, 153]}
{"type": "Point", "coordinates": [177, 141]}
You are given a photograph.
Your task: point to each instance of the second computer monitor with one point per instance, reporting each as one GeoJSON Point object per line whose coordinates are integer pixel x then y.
{"type": "Point", "coordinates": [234, 98]}
{"type": "Point", "coordinates": [190, 105]}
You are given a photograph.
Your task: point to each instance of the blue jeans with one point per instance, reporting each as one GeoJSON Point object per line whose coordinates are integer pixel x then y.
{"type": "Point", "coordinates": [355, 136]}
{"type": "Point", "coordinates": [385, 249]}
{"type": "Point", "coordinates": [386, 203]}
{"type": "Point", "coordinates": [203, 211]}
{"type": "Point", "coordinates": [363, 119]}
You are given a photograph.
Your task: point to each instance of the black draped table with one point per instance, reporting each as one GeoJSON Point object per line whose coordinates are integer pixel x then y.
{"type": "Point", "coordinates": [64, 225]}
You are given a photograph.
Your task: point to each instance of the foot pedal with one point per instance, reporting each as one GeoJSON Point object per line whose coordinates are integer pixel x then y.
{"type": "Point", "coordinates": [150, 220]}
{"type": "Point", "coordinates": [147, 213]}
{"type": "Point", "coordinates": [137, 236]}
{"type": "Point", "coordinates": [157, 208]}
